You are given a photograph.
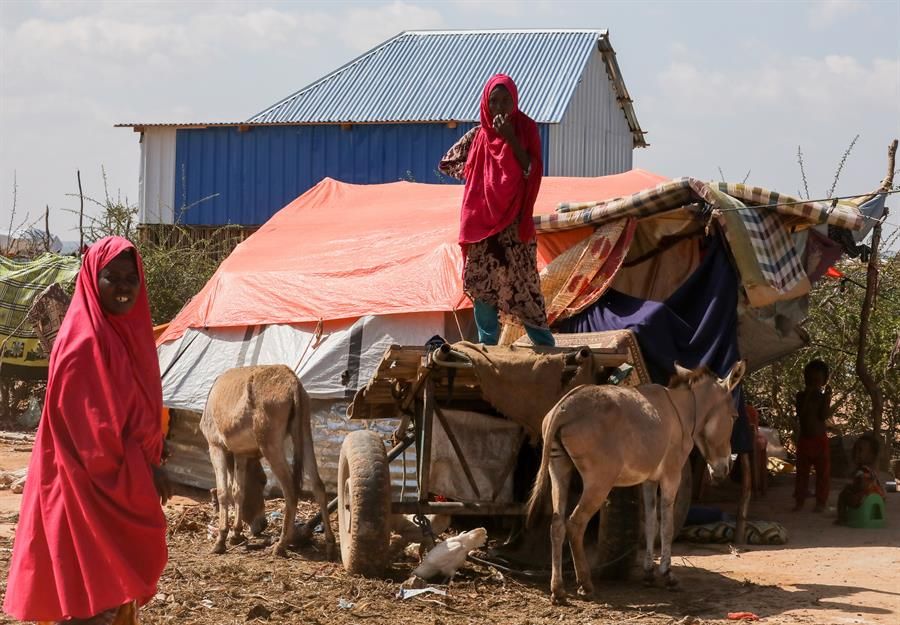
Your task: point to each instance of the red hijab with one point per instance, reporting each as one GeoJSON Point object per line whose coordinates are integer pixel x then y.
{"type": "Point", "coordinates": [497, 191]}
{"type": "Point", "coordinates": [91, 533]}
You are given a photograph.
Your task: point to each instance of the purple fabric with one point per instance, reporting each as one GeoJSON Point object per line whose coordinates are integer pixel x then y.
{"type": "Point", "coordinates": [696, 326]}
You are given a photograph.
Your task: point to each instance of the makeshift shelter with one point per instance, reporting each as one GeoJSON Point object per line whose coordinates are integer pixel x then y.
{"type": "Point", "coordinates": [22, 353]}
{"type": "Point", "coordinates": [342, 272]}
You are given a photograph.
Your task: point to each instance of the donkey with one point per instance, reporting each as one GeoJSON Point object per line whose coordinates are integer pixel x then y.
{"type": "Point", "coordinates": [618, 436]}
{"type": "Point", "coordinates": [248, 414]}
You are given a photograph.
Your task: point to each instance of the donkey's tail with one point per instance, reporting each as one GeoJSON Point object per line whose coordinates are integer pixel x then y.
{"type": "Point", "coordinates": [299, 416]}
{"type": "Point", "coordinates": [537, 500]}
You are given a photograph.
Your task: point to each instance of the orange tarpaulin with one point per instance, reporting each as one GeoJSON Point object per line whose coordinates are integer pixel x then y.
{"type": "Point", "coordinates": [341, 251]}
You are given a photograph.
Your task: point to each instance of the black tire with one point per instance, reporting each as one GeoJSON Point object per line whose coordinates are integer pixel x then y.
{"type": "Point", "coordinates": [618, 535]}
{"type": "Point", "coordinates": [364, 504]}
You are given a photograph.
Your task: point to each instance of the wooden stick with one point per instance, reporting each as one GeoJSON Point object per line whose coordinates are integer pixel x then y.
{"type": "Point", "coordinates": [862, 367]}
{"type": "Point", "coordinates": [740, 529]}
{"type": "Point", "coordinates": [888, 181]}
{"type": "Point", "coordinates": [80, 215]}
{"type": "Point", "coordinates": [47, 228]}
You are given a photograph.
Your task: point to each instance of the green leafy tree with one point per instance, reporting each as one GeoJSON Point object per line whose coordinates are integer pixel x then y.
{"type": "Point", "coordinates": [833, 324]}
{"type": "Point", "coordinates": [178, 261]}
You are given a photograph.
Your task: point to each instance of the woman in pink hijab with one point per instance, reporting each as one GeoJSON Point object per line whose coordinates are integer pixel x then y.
{"type": "Point", "coordinates": [91, 539]}
{"type": "Point", "coordinates": [503, 175]}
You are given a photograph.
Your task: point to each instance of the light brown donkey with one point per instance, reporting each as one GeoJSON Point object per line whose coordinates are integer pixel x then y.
{"type": "Point", "coordinates": [248, 414]}
{"type": "Point", "coordinates": [619, 436]}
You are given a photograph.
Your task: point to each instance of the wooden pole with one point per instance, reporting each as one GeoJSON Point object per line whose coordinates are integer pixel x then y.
{"type": "Point", "coordinates": [80, 215]}
{"type": "Point", "coordinates": [47, 228]}
{"type": "Point", "coordinates": [862, 367]}
{"type": "Point", "coordinates": [740, 528]}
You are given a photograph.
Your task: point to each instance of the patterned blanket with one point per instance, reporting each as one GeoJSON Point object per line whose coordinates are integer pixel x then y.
{"type": "Point", "coordinates": [580, 275]}
{"type": "Point", "coordinates": [756, 222]}
{"type": "Point", "coordinates": [685, 191]}
{"type": "Point", "coordinates": [769, 265]}
{"type": "Point", "coordinates": [758, 533]}
{"type": "Point", "coordinates": [20, 283]}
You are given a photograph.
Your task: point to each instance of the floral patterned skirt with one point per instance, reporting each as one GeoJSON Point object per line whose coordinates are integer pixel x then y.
{"type": "Point", "coordinates": [502, 271]}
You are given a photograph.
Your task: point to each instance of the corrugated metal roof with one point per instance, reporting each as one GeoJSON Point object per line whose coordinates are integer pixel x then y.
{"type": "Point", "coordinates": [436, 76]}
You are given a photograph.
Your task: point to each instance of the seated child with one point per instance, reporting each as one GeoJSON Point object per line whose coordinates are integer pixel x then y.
{"type": "Point", "coordinates": [865, 480]}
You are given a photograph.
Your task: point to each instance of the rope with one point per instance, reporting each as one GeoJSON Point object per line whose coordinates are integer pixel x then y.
{"type": "Point", "coordinates": [541, 574]}
{"type": "Point", "coordinates": [831, 200]}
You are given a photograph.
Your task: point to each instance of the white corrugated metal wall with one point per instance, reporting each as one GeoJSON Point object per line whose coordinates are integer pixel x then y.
{"type": "Point", "coordinates": [593, 138]}
{"type": "Point", "coordinates": [156, 191]}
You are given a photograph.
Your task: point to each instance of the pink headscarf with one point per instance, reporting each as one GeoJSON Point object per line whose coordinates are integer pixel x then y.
{"type": "Point", "coordinates": [91, 533]}
{"type": "Point", "coordinates": [497, 191]}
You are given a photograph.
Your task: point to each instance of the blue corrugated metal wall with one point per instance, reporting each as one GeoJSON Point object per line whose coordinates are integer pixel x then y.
{"type": "Point", "coordinates": [255, 173]}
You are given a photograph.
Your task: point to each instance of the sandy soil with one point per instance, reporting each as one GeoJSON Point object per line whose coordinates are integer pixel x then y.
{"type": "Point", "coordinates": [824, 575]}
{"type": "Point", "coordinates": [12, 456]}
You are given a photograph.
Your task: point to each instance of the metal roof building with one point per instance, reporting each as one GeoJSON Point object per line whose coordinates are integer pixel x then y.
{"type": "Point", "coordinates": [391, 114]}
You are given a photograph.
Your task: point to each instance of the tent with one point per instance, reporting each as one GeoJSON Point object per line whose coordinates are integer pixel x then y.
{"type": "Point", "coordinates": [345, 270]}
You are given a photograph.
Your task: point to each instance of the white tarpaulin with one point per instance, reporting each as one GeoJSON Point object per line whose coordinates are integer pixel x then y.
{"type": "Point", "coordinates": [332, 363]}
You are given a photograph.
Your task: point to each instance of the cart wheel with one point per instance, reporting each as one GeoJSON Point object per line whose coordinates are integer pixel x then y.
{"type": "Point", "coordinates": [364, 503]}
{"type": "Point", "coordinates": [618, 537]}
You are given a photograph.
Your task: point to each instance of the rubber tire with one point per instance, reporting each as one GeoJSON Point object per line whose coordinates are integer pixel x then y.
{"type": "Point", "coordinates": [364, 504]}
{"type": "Point", "coordinates": [618, 536]}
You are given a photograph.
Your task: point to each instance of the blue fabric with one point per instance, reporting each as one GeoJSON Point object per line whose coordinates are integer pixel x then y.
{"type": "Point", "coordinates": [874, 210]}
{"type": "Point", "coordinates": [696, 326]}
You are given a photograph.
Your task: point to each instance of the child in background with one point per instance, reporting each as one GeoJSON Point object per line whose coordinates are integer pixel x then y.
{"type": "Point", "coordinates": [813, 406]}
{"type": "Point", "coordinates": [865, 480]}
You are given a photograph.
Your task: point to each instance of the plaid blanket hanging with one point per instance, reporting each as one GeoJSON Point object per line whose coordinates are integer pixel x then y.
{"type": "Point", "coordinates": [20, 283]}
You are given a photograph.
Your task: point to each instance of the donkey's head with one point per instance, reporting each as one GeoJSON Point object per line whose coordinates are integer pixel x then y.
{"type": "Point", "coordinates": [715, 412]}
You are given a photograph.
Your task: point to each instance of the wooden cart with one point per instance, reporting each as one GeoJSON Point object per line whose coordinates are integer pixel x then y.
{"type": "Point", "coordinates": [416, 385]}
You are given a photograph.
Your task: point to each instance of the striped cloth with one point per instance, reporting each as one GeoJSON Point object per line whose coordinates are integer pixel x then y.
{"type": "Point", "coordinates": [768, 263]}
{"type": "Point", "coordinates": [685, 191]}
{"type": "Point", "coordinates": [842, 214]}
{"type": "Point", "coordinates": [20, 283]}
{"type": "Point", "coordinates": [758, 224]}
{"type": "Point", "coordinates": [667, 196]}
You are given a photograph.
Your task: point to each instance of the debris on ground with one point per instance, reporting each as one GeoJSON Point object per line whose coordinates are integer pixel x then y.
{"type": "Point", "coordinates": [13, 480]}
{"type": "Point", "coordinates": [409, 593]}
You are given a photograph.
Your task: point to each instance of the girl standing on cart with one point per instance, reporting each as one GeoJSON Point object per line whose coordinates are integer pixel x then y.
{"type": "Point", "coordinates": [500, 161]}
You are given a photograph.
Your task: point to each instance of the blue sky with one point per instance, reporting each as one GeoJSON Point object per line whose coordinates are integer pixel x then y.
{"type": "Point", "coordinates": [736, 85]}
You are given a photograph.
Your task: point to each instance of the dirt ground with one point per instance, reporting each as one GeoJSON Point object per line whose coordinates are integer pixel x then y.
{"type": "Point", "coordinates": [824, 575]}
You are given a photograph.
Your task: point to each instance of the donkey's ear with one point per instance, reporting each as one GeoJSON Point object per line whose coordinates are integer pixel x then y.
{"type": "Point", "coordinates": [681, 371]}
{"type": "Point", "coordinates": [735, 376]}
